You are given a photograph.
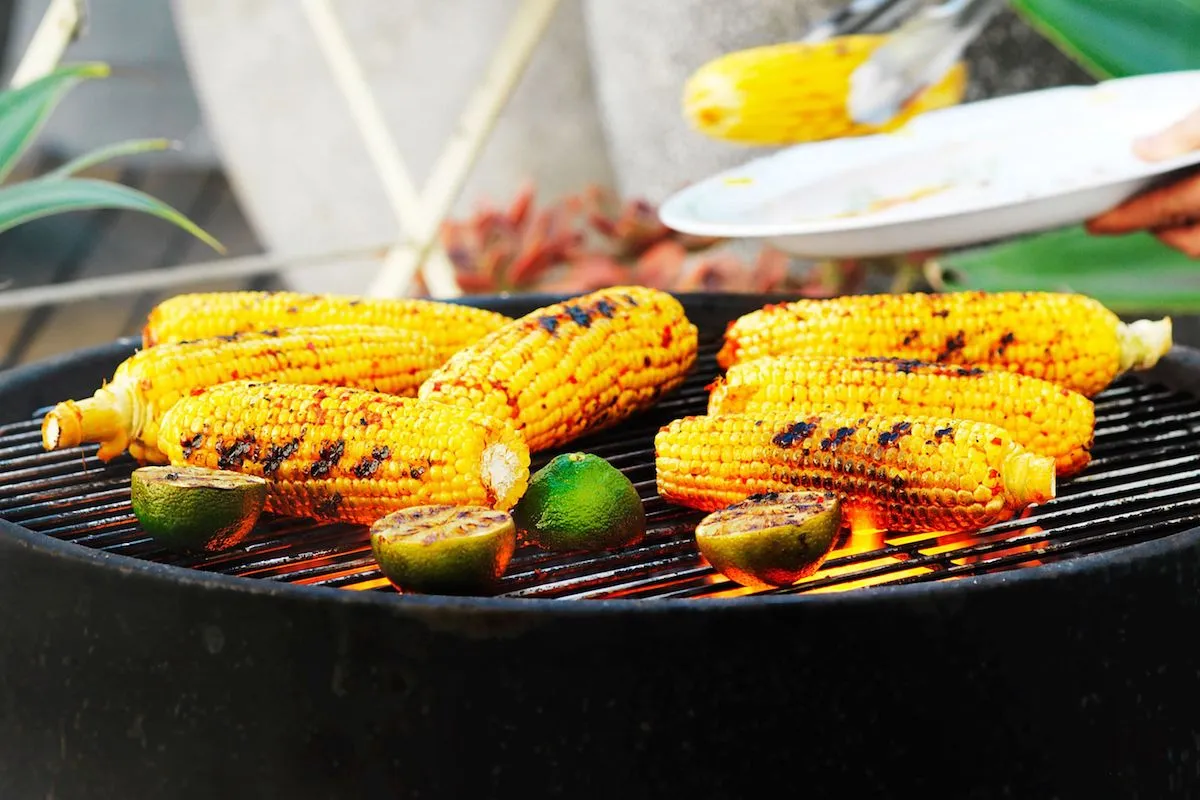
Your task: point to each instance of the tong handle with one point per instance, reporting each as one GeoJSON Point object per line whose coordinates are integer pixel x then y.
{"type": "Point", "coordinates": [915, 56]}
{"type": "Point", "coordinates": [862, 16]}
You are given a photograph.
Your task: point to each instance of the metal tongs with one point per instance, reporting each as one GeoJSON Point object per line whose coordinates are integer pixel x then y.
{"type": "Point", "coordinates": [916, 54]}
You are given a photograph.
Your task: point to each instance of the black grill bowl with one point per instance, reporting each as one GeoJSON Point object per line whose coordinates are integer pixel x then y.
{"type": "Point", "coordinates": [124, 678]}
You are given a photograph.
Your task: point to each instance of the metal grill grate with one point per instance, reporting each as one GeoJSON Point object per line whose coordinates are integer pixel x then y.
{"type": "Point", "coordinates": [1143, 483]}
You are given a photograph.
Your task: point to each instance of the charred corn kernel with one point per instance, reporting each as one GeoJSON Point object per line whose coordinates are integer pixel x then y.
{"type": "Point", "coordinates": [449, 326]}
{"type": "Point", "coordinates": [1041, 416]}
{"type": "Point", "coordinates": [899, 473]}
{"type": "Point", "coordinates": [574, 367]}
{"type": "Point", "coordinates": [796, 92]}
{"type": "Point", "coordinates": [347, 454]}
{"type": "Point", "coordinates": [1068, 339]}
{"type": "Point", "coordinates": [125, 412]}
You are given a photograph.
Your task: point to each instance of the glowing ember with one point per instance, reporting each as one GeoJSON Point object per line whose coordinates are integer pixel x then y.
{"type": "Point", "coordinates": [366, 586]}
{"type": "Point", "coordinates": [865, 535]}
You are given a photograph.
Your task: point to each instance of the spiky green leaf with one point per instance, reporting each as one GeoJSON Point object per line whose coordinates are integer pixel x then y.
{"type": "Point", "coordinates": [102, 154]}
{"type": "Point", "coordinates": [24, 111]}
{"type": "Point", "coordinates": [30, 200]}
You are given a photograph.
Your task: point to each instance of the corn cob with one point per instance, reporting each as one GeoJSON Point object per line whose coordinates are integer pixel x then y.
{"type": "Point", "coordinates": [125, 412]}
{"type": "Point", "coordinates": [911, 474]}
{"type": "Point", "coordinates": [796, 92]}
{"type": "Point", "coordinates": [347, 454]}
{"type": "Point", "coordinates": [574, 367]}
{"type": "Point", "coordinates": [1042, 417]}
{"type": "Point", "coordinates": [448, 326]}
{"type": "Point", "coordinates": [1068, 339]}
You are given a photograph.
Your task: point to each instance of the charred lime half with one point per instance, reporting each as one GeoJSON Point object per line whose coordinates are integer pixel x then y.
{"type": "Point", "coordinates": [193, 508]}
{"type": "Point", "coordinates": [441, 549]}
{"type": "Point", "coordinates": [771, 539]}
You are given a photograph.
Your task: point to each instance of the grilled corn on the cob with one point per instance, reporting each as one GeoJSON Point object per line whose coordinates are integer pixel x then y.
{"type": "Point", "coordinates": [449, 326]}
{"type": "Point", "coordinates": [796, 92]}
{"type": "Point", "coordinates": [1042, 416]}
{"type": "Point", "coordinates": [574, 367]}
{"type": "Point", "coordinates": [898, 473]}
{"type": "Point", "coordinates": [347, 454]}
{"type": "Point", "coordinates": [1069, 339]}
{"type": "Point", "coordinates": [125, 412]}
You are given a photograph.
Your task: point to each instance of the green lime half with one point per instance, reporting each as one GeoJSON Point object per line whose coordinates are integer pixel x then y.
{"type": "Point", "coordinates": [772, 539]}
{"type": "Point", "coordinates": [193, 508]}
{"type": "Point", "coordinates": [580, 502]}
{"type": "Point", "coordinates": [442, 549]}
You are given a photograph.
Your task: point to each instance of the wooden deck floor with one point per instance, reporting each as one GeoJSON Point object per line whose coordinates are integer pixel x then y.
{"type": "Point", "coordinates": [92, 244]}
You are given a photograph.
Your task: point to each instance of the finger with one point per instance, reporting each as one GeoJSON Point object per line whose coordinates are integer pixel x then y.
{"type": "Point", "coordinates": [1185, 239]}
{"type": "Point", "coordinates": [1176, 140]}
{"type": "Point", "coordinates": [1165, 207]}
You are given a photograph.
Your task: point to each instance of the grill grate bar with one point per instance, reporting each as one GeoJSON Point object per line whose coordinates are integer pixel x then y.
{"type": "Point", "coordinates": [53, 509]}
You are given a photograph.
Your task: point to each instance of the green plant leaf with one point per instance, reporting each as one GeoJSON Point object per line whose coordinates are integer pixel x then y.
{"type": "Point", "coordinates": [24, 111]}
{"type": "Point", "coordinates": [30, 200]}
{"type": "Point", "coordinates": [102, 154]}
{"type": "Point", "coordinates": [1119, 38]}
{"type": "Point", "coordinates": [1128, 274]}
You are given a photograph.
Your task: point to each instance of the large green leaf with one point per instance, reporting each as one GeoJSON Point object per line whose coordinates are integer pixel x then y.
{"type": "Point", "coordinates": [23, 111]}
{"type": "Point", "coordinates": [30, 200]}
{"type": "Point", "coordinates": [1126, 273]}
{"type": "Point", "coordinates": [1118, 38]}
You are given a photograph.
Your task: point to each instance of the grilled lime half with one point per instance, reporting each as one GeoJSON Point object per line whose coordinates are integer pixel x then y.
{"type": "Point", "coordinates": [580, 502]}
{"type": "Point", "coordinates": [772, 539]}
{"type": "Point", "coordinates": [441, 549]}
{"type": "Point", "coordinates": [196, 509]}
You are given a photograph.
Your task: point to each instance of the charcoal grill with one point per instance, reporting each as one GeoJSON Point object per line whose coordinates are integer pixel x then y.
{"type": "Point", "coordinates": [1048, 656]}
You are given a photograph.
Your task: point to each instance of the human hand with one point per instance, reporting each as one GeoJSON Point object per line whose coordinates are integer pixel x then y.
{"type": "Point", "coordinates": [1172, 212]}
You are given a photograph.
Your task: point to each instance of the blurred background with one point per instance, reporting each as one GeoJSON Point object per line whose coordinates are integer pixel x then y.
{"type": "Point", "coordinates": [273, 164]}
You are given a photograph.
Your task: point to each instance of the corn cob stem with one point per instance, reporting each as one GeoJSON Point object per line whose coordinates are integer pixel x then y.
{"type": "Point", "coordinates": [348, 454]}
{"type": "Point", "coordinates": [1042, 417]}
{"type": "Point", "coordinates": [124, 413]}
{"type": "Point", "coordinates": [1143, 342]}
{"type": "Point", "coordinates": [911, 474]}
{"type": "Point", "coordinates": [107, 417]}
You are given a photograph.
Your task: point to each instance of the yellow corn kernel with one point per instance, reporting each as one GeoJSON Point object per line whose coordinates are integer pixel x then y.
{"type": "Point", "coordinates": [575, 367]}
{"type": "Point", "coordinates": [449, 326]}
{"type": "Point", "coordinates": [1068, 339]}
{"type": "Point", "coordinates": [347, 454]}
{"type": "Point", "coordinates": [1042, 417]}
{"type": "Point", "coordinates": [796, 92]}
{"type": "Point", "coordinates": [125, 412]}
{"type": "Point", "coordinates": [898, 473]}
